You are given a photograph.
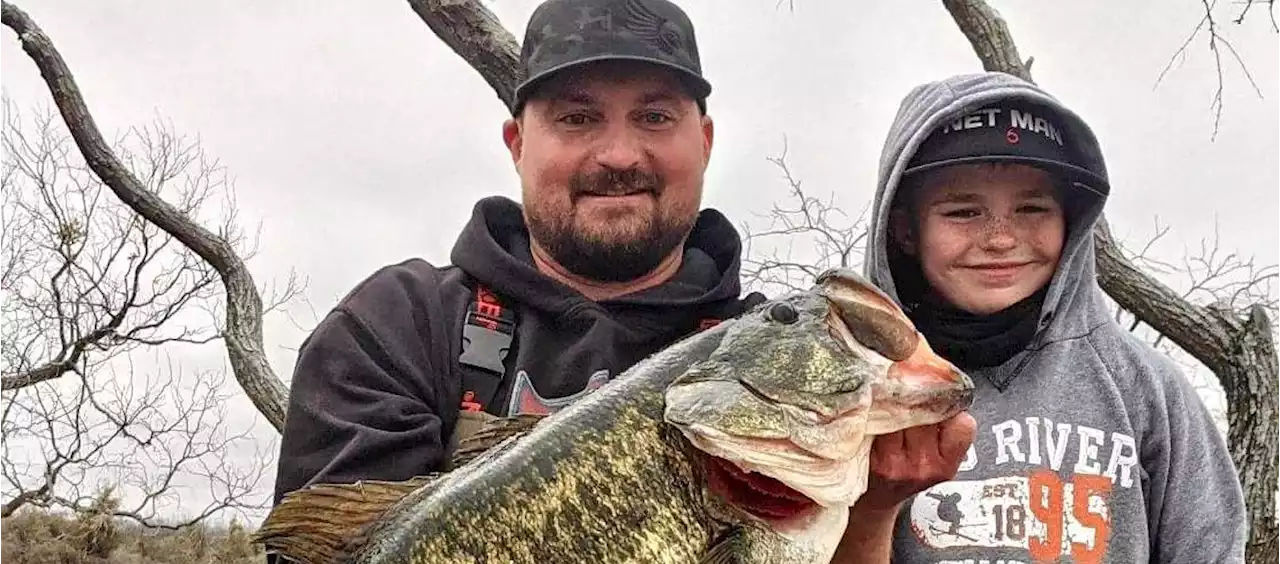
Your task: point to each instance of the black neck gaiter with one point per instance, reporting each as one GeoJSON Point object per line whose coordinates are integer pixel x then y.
{"type": "Point", "coordinates": [977, 341]}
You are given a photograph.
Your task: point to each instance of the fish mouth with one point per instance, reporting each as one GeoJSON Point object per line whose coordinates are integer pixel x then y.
{"type": "Point", "coordinates": [761, 496]}
{"type": "Point", "coordinates": [780, 472]}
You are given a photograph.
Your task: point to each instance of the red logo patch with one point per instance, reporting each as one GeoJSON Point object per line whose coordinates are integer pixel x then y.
{"type": "Point", "coordinates": [525, 399]}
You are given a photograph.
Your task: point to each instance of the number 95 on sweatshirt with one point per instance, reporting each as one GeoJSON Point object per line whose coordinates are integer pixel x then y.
{"type": "Point", "coordinates": [1039, 502]}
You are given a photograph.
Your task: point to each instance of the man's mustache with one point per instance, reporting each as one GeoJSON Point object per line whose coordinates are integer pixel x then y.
{"type": "Point", "coordinates": [615, 183]}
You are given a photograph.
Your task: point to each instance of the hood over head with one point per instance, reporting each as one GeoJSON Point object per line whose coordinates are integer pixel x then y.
{"type": "Point", "coordinates": [969, 118]}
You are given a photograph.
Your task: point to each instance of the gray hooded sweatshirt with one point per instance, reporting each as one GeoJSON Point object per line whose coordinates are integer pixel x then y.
{"type": "Point", "coordinates": [1091, 446]}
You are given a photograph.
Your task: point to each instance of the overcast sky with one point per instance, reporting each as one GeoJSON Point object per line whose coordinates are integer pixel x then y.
{"type": "Point", "coordinates": [357, 138]}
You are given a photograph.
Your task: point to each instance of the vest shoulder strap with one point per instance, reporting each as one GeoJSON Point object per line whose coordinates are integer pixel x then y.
{"type": "Point", "coordinates": [488, 341]}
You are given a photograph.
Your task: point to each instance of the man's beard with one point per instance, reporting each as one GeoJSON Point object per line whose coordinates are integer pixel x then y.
{"type": "Point", "coordinates": [587, 255]}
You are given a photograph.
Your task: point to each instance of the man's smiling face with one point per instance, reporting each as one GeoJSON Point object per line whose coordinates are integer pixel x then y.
{"type": "Point", "coordinates": [611, 160]}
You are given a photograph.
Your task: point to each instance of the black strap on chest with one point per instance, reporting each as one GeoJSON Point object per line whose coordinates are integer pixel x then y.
{"type": "Point", "coordinates": [488, 339]}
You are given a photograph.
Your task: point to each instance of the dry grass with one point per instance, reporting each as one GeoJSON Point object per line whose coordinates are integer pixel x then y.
{"type": "Point", "coordinates": [38, 537]}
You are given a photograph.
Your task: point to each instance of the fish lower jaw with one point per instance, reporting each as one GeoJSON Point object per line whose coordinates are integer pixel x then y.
{"type": "Point", "coordinates": [786, 469]}
{"type": "Point", "coordinates": [757, 495]}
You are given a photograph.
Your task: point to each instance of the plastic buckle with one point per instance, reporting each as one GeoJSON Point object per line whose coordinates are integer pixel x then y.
{"type": "Point", "coordinates": [486, 342]}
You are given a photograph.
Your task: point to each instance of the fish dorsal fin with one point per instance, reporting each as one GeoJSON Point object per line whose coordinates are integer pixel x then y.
{"type": "Point", "coordinates": [727, 549]}
{"type": "Point", "coordinates": [326, 523]}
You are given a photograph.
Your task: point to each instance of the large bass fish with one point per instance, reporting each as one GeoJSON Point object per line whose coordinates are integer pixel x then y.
{"type": "Point", "coordinates": [747, 442]}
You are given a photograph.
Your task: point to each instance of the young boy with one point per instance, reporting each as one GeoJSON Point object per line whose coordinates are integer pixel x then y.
{"type": "Point", "coordinates": [1090, 445]}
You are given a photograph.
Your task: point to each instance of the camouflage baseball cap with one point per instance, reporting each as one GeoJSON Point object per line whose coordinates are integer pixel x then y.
{"type": "Point", "coordinates": [567, 33]}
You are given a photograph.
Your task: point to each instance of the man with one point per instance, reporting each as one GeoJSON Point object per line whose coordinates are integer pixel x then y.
{"type": "Point", "coordinates": [608, 260]}
{"type": "Point", "coordinates": [1091, 445]}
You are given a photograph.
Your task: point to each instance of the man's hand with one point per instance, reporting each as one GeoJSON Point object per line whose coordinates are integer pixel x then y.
{"type": "Point", "coordinates": [902, 464]}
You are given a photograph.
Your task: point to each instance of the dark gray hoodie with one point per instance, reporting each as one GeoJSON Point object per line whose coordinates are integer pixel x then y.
{"type": "Point", "coordinates": [1091, 446]}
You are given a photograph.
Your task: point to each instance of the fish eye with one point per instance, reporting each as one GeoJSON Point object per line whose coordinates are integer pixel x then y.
{"type": "Point", "coordinates": [783, 312]}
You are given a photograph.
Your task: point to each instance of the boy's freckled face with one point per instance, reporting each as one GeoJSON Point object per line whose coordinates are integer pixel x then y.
{"type": "Point", "coordinates": [987, 236]}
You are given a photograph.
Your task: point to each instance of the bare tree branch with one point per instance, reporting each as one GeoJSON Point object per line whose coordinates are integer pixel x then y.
{"type": "Point", "coordinates": [989, 36]}
{"type": "Point", "coordinates": [150, 442]}
{"type": "Point", "coordinates": [820, 227]}
{"type": "Point", "coordinates": [87, 279]}
{"type": "Point", "coordinates": [478, 36]}
{"type": "Point", "coordinates": [1209, 25]}
{"type": "Point", "coordinates": [1223, 280]}
{"type": "Point", "coordinates": [243, 331]}
{"type": "Point", "coordinates": [1271, 13]}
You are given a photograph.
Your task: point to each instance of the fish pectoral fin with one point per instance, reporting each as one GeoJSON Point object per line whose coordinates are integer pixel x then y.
{"type": "Point", "coordinates": [317, 524]}
{"type": "Point", "coordinates": [491, 433]}
{"type": "Point", "coordinates": [727, 549]}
